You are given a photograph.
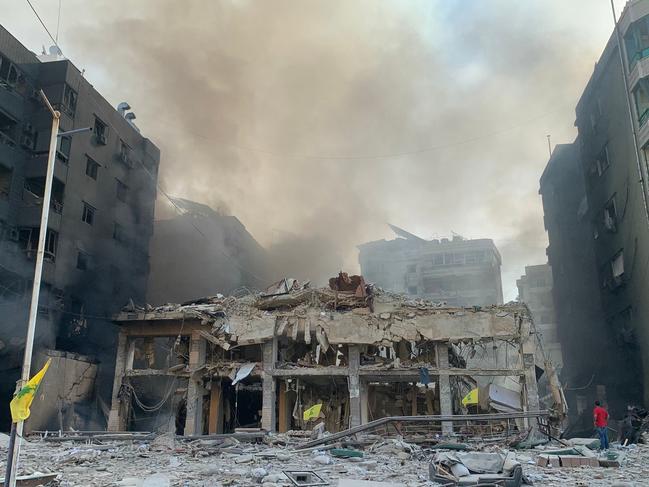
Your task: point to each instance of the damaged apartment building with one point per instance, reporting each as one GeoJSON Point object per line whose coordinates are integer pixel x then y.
{"type": "Point", "coordinates": [356, 354]}
{"type": "Point", "coordinates": [457, 271]}
{"type": "Point", "coordinates": [100, 223]}
{"type": "Point", "coordinates": [595, 197]}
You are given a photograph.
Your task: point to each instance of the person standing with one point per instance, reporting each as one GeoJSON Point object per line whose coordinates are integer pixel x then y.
{"type": "Point", "coordinates": [600, 420]}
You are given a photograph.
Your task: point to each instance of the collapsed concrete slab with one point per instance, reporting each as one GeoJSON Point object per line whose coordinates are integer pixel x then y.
{"type": "Point", "coordinates": [358, 355]}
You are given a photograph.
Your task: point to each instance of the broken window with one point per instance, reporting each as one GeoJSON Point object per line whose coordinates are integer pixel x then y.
{"type": "Point", "coordinates": [28, 242]}
{"type": "Point", "coordinates": [122, 191]}
{"type": "Point", "coordinates": [92, 168]}
{"type": "Point", "coordinates": [34, 189]}
{"type": "Point", "coordinates": [63, 151]}
{"type": "Point", "coordinates": [610, 215]}
{"type": "Point", "coordinates": [9, 73]}
{"type": "Point", "coordinates": [615, 271]}
{"type": "Point", "coordinates": [641, 98]}
{"type": "Point", "coordinates": [83, 261]}
{"type": "Point", "coordinates": [617, 265]}
{"type": "Point", "coordinates": [602, 162]}
{"type": "Point", "coordinates": [69, 105]}
{"type": "Point", "coordinates": [88, 215]}
{"type": "Point", "coordinates": [119, 233]}
{"type": "Point", "coordinates": [5, 181]}
{"type": "Point", "coordinates": [125, 153]}
{"type": "Point", "coordinates": [636, 41]}
{"type": "Point", "coordinates": [7, 130]}
{"type": "Point", "coordinates": [101, 132]}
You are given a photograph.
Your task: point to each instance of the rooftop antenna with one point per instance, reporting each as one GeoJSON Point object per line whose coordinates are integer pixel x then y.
{"type": "Point", "coordinates": [58, 23]}
{"type": "Point", "coordinates": [549, 145]}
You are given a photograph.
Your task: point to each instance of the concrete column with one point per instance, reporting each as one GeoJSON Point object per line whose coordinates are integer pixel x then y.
{"type": "Point", "coordinates": [269, 396]}
{"type": "Point", "coordinates": [365, 411]}
{"type": "Point", "coordinates": [354, 360]}
{"type": "Point", "coordinates": [116, 419]}
{"type": "Point", "coordinates": [284, 410]}
{"type": "Point", "coordinates": [195, 390]}
{"type": "Point", "coordinates": [444, 388]}
{"type": "Point", "coordinates": [215, 424]}
{"type": "Point", "coordinates": [529, 391]}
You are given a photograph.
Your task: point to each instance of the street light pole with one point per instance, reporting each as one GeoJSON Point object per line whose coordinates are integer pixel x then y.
{"type": "Point", "coordinates": [36, 288]}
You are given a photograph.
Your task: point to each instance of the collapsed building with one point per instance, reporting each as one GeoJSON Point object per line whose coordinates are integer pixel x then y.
{"type": "Point", "coordinates": [343, 355]}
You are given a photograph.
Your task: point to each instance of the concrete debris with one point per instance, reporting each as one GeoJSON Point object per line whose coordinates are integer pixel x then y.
{"type": "Point", "coordinates": [135, 463]}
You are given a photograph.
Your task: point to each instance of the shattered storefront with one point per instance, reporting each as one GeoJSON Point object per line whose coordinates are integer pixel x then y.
{"type": "Point", "coordinates": [295, 357]}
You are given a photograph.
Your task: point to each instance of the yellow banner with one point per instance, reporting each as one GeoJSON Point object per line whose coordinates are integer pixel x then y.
{"type": "Point", "coordinates": [313, 412]}
{"type": "Point", "coordinates": [471, 397]}
{"type": "Point", "coordinates": [23, 399]}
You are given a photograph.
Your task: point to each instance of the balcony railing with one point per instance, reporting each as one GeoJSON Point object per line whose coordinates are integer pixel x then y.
{"type": "Point", "coordinates": [6, 140]}
{"type": "Point", "coordinates": [637, 56]}
{"type": "Point", "coordinates": [644, 116]}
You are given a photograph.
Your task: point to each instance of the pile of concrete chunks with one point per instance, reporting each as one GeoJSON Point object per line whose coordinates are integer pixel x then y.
{"type": "Point", "coordinates": [577, 452]}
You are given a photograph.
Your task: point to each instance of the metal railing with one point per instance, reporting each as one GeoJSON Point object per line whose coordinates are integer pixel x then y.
{"type": "Point", "coordinates": [644, 116]}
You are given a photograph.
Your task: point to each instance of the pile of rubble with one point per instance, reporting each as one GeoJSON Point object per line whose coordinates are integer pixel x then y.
{"type": "Point", "coordinates": [277, 460]}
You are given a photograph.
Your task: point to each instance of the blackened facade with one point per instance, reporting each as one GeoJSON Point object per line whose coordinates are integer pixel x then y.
{"type": "Point", "coordinates": [101, 215]}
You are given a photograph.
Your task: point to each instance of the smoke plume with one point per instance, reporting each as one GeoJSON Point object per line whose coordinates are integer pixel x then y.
{"type": "Point", "coordinates": [316, 122]}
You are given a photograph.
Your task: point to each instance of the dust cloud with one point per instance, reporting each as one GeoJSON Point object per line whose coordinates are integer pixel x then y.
{"type": "Point", "coordinates": [316, 122]}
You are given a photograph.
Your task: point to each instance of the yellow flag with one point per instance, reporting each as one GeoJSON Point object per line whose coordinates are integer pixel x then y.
{"type": "Point", "coordinates": [313, 412]}
{"type": "Point", "coordinates": [23, 399]}
{"type": "Point", "coordinates": [471, 397]}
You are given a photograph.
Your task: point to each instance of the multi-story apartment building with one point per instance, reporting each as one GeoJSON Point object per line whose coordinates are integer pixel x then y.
{"type": "Point", "coordinates": [101, 212]}
{"type": "Point", "coordinates": [581, 328]}
{"type": "Point", "coordinates": [535, 290]}
{"type": "Point", "coordinates": [457, 271]}
{"type": "Point", "coordinates": [613, 148]}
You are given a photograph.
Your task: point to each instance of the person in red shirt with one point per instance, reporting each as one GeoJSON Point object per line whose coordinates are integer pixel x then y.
{"type": "Point", "coordinates": [600, 420]}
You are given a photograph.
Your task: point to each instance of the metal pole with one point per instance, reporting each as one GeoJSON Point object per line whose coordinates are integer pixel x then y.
{"type": "Point", "coordinates": [549, 145]}
{"type": "Point", "coordinates": [38, 272]}
{"type": "Point", "coordinates": [10, 457]}
{"type": "Point", "coordinates": [630, 110]}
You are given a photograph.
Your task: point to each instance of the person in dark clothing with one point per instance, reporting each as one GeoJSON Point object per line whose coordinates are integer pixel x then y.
{"type": "Point", "coordinates": [600, 420]}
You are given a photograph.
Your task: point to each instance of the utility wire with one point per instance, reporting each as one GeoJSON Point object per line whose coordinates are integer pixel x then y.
{"type": "Point", "coordinates": [44, 26]}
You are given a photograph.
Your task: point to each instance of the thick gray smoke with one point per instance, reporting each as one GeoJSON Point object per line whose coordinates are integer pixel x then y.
{"type": "Point", "coordinates": [316, 122]}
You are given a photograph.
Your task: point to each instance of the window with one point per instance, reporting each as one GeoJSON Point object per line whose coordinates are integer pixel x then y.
{"type": "Point", "coordinates": [610, 216]}
{"type": "Point", "coordinates": [69, 100]}
{"type": "Point", "coordinates": [7, 130]}
{"type": "Point", "coordinates": [641, 98]}
{"type": "Point", "coordinates": [118, 232]}
{"type": "Point", "coordinates": [617, 265]}
{"type": "Point", "coordinates": [88, 215]}
{"type": "Point", "coordinates": [9, 74]}
{"type": "Point", "coordinates": [83, 261]}
{"type": "Point", "coordinates": [28, 242]}
{"type": "Point", "coordinates": [122, 191]}
{"type": "Point", "coordinates": [91, 168]}
{"type": "Point", "coordinates": [51, 244]}
{"type": "Point", "coordinates": [5, 181]}
{"type": "Point", "coordinates": [125, 153]}
{"type": "Point", "coordinates": [101, 132]}
{"type": "Point", "coordinates": [412, 268]}
{"type": "Point", "coordinates": [63, 152]}
{"type": "Point", "coordinates": [602, 162]}
{"type": "Point", "coordinates": [438, 259]}
{"type": "Point", "coordinates": [412, 290]}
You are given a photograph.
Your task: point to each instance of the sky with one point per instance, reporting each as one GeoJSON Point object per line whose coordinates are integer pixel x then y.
{"type": "Point", "coordinates": [316, 122]}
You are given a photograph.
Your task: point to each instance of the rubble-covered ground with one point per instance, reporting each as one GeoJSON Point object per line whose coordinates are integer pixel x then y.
{"type": "Point", "coordinates": [165, 462]}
